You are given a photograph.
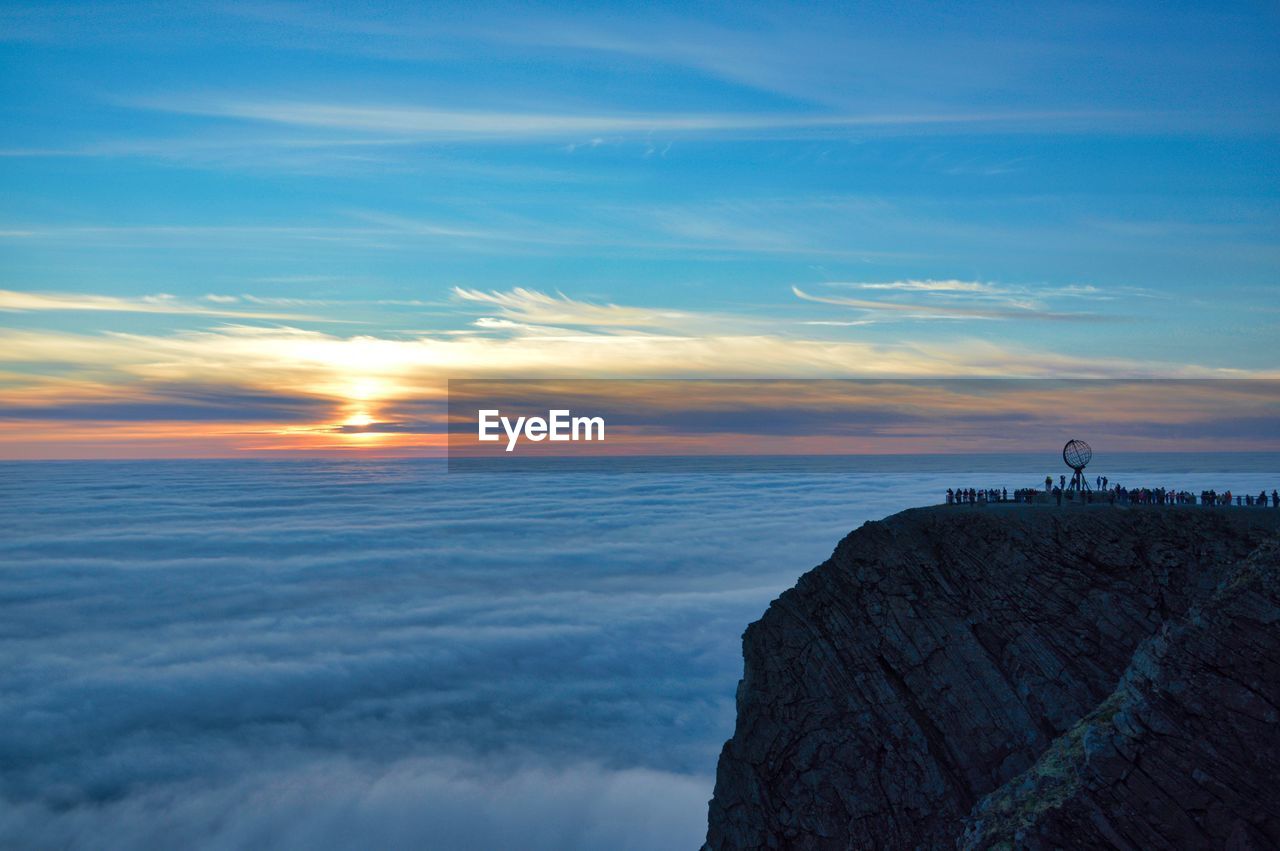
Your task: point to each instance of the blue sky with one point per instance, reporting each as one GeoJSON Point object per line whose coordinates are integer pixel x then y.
{"type": "Point", "coordinates": [546, 189]}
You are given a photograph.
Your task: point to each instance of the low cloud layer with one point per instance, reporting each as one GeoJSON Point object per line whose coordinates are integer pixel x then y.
{"type": "Point", "coordinates": [345, 803]}
{"type": "Point", "coordinates": [306, 655]}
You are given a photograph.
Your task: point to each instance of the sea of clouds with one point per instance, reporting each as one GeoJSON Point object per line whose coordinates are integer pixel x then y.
{"type": "Point", "coordinates": [314, 655]}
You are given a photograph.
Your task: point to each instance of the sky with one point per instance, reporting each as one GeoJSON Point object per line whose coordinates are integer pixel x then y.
{"type": "Point", "coordinates": [267, 228]}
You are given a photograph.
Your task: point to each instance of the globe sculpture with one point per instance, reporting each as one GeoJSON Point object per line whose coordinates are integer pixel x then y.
{"type": "Point", "coordinates": [1077, 454]}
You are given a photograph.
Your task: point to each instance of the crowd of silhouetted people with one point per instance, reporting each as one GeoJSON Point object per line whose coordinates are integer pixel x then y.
{"type": "Point", "coordinates": [973, 496]}
{"type": "Point", "coordinates": [1150, 496]}
{"type": "Point", "coordinates": [1212, 497]}
{"type": "Point", "coordinates": [1113, 494]}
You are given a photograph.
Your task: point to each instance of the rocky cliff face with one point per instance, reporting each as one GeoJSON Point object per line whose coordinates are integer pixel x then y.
{"type": "Point", "coordinates": [1016, 676]}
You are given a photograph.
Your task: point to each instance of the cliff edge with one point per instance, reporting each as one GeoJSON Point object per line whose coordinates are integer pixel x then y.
{"type": "Point", "coordinates": [1016, 676]}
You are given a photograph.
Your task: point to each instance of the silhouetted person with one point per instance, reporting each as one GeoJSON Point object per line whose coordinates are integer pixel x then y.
{"type": "Point", "coordinates": [1057, 494]}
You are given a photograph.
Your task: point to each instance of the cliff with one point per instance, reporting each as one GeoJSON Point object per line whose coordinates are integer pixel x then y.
{"type": "Point", "coordinates": [1016, 676]}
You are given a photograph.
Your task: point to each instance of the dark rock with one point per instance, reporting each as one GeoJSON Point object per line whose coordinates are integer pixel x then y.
{"type": "Point", "coordinates": [1015, 676]}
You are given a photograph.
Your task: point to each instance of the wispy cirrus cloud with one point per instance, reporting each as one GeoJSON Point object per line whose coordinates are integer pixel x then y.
{"type": "Point", "coordinates": [988, 289]}
{"type": "Point", "coordinates": [283, 386]}
{"type": "Point", "coordinates": [427, 122]}
{"type": "Point", "coordinates": [271, 301]}
{"type": "Point", "coordinates": [466, 229]}
{"type": "Point", "coordinates": [26, 302]}
{"type": "Point", "coordinates": [536, 333]}
{"type": "Point", "coordinates": [928, 286]}
{"type": "Point", "coordinates": [984, 302]}
{"type": "Point", "coordinates": [532, 307]}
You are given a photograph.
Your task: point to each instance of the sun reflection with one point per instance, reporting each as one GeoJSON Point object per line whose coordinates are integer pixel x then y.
{"type": "Point", "coordinates": [356, 425]}
{"type": "Point", "coordinates": [360, 393]}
